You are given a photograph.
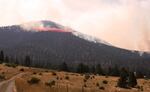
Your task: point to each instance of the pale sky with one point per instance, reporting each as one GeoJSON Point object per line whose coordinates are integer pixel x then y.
{"type": "Point", "coordinates": [123, 23]}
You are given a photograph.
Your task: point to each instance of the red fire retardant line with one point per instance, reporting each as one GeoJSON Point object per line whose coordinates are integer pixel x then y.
{"type": "Point", "coordinates": [50, 29]}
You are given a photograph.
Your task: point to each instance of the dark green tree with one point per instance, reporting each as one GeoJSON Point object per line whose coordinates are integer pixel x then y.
{"type": "Point", "coordinates": [86, 69]}
{"type": "Point", "coordinates": [27, 61]}
{"type": "Point", "coordinates": [7, 59]}
{"type": "Point", "coordinates": [99, 70]}
{"type": "Point", "coordinates": [1, 56]}
{"type": "Point", "coordinates": [123, 80]}
{"type": "Point", "coordinates": [110, 70]}
{"type": "Point", "coordinates": [139, 74]}
{"type": "Point", "coordinates": [132, 79]}
{"type": "Point", "coordinates": [93, 70]}
{"type": "Point", "coordinates": [115, 71]}
{"type": "Point", "coordinates": [11, 59]}
{"type": "Point", "coordinates": [16, 61]}
{"type": "Point", "coordinates": [81, 68]}
{"type": "Point", "coordinates": [64, 67]}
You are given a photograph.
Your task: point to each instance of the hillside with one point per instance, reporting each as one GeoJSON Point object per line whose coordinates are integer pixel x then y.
{"type": "Point", "coordinates": [50, 47]}
{"type": "Point", "coordinates": [17, 80]}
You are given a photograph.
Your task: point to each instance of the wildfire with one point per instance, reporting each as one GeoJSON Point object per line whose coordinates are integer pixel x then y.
{"type": "Point", "coordinates": [50, 29]}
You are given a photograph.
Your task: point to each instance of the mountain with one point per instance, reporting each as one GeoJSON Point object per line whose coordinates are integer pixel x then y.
{"type": "Point", "coordinates": [49, 43]}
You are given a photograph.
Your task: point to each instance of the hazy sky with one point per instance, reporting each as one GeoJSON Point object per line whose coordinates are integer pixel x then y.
{"type": "Point", "coordinates": [123, 23]}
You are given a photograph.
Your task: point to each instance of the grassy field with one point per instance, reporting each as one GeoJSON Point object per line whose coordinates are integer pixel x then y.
{"type": "Point", "coordinates": [42, 80]}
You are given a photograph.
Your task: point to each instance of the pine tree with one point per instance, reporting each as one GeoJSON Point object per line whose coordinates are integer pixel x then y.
{"type": "Point", "coordinates": [123, 80]}
{"type": "Point", "coordinates": [2, 56]}
{"type": "Point", "coordinates": [12, 60]}
{"type": "Point", "coordinates": [132, 79]}
{"type": "Point", "coordinates": [139, 74]}
{"type": "Point", "coordinates": [115, 71]}
{"type": "Point", "coordinates": [110, 70]}
{"type": "Point", "coordinates": [86, 69]}
{"type": "Point", "coordinates": [64, 67]}
{"type": "Point", "coordinates": [27, 61]}
{"type": "Point", "coordinates": [81, 68]}
{"type": "Point", "coordinates": [7, 59]}
{"type": "Point", "coordinates": [16, 61]}
{"type": "Point", "coordinates": [93, 70]}
{"type": "Point", "coordinates": [99, 70]}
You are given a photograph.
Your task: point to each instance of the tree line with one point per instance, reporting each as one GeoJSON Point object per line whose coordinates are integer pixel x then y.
{"type": "Point", "coordinates": [80, 68]}
{"type": "Point", "coordinates": [127, 78]}
{"type": "Point", "coordinates": [6, 59]}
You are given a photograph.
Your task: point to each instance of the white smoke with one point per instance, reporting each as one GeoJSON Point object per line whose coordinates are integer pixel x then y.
{"type": "Point", "coordinates": [124, 23]}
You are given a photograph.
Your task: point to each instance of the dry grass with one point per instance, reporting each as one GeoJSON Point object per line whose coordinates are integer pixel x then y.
{"type": "Point", "coordinates": [66, 82]}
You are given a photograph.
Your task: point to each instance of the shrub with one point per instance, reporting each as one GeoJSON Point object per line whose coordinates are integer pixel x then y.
{"type": "Point", "coordinates": [85, 80]}
{"type": "Point", "coordinates": [138, 87]}
{"type": "Point", "coordinates": [106, 76]}
{"type": "Point", "coordinates": [77, 75]}
{"type": "Point", "coordinates": [87, 77]}
{"type": "Point", "coordinates": [11, 65]}
{"type": "Point", "coordinates": [85, 85]}
{"type": "Point", "coordinates": [102, 88]}
{"type": "Point", "coordinates": [67, 77]}
{"type": "Point", "coordinates": [34, 72]}
{"type": "Point", "coordinates": [34, 80]}
{"type": "Point", "coordinates": [40, 73]}
{"type": "Point", "coordinates": [57, 78]}
{"type": "Point", "coordinates": [141, 88]}
{"type": "Point", "coordinates": [97, 84]}
{"type": "Point", "coordinates": [2, 77]}
{"type": "Point", "coordinates": [22, 69]}
{"type": "Point", "coordinates": [50, 83]}
{"type": "Point", "coordinates": [3, 72]}
{"type": "Point", "coordinates": [53, 73]}
{"type": "Point", "coordinates": [105, 82]}
{"type": "Point", "coordinates": [46, 71]}
{"type": "Point", "coordinates": [81, 74]}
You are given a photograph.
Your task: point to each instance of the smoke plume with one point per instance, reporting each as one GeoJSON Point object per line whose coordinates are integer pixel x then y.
{"type": "Point", "coordinates": [123, 23]}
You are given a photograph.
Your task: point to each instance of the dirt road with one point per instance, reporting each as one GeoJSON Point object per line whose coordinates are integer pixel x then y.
{"type": "Point", "coordinates": [9, 85]}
